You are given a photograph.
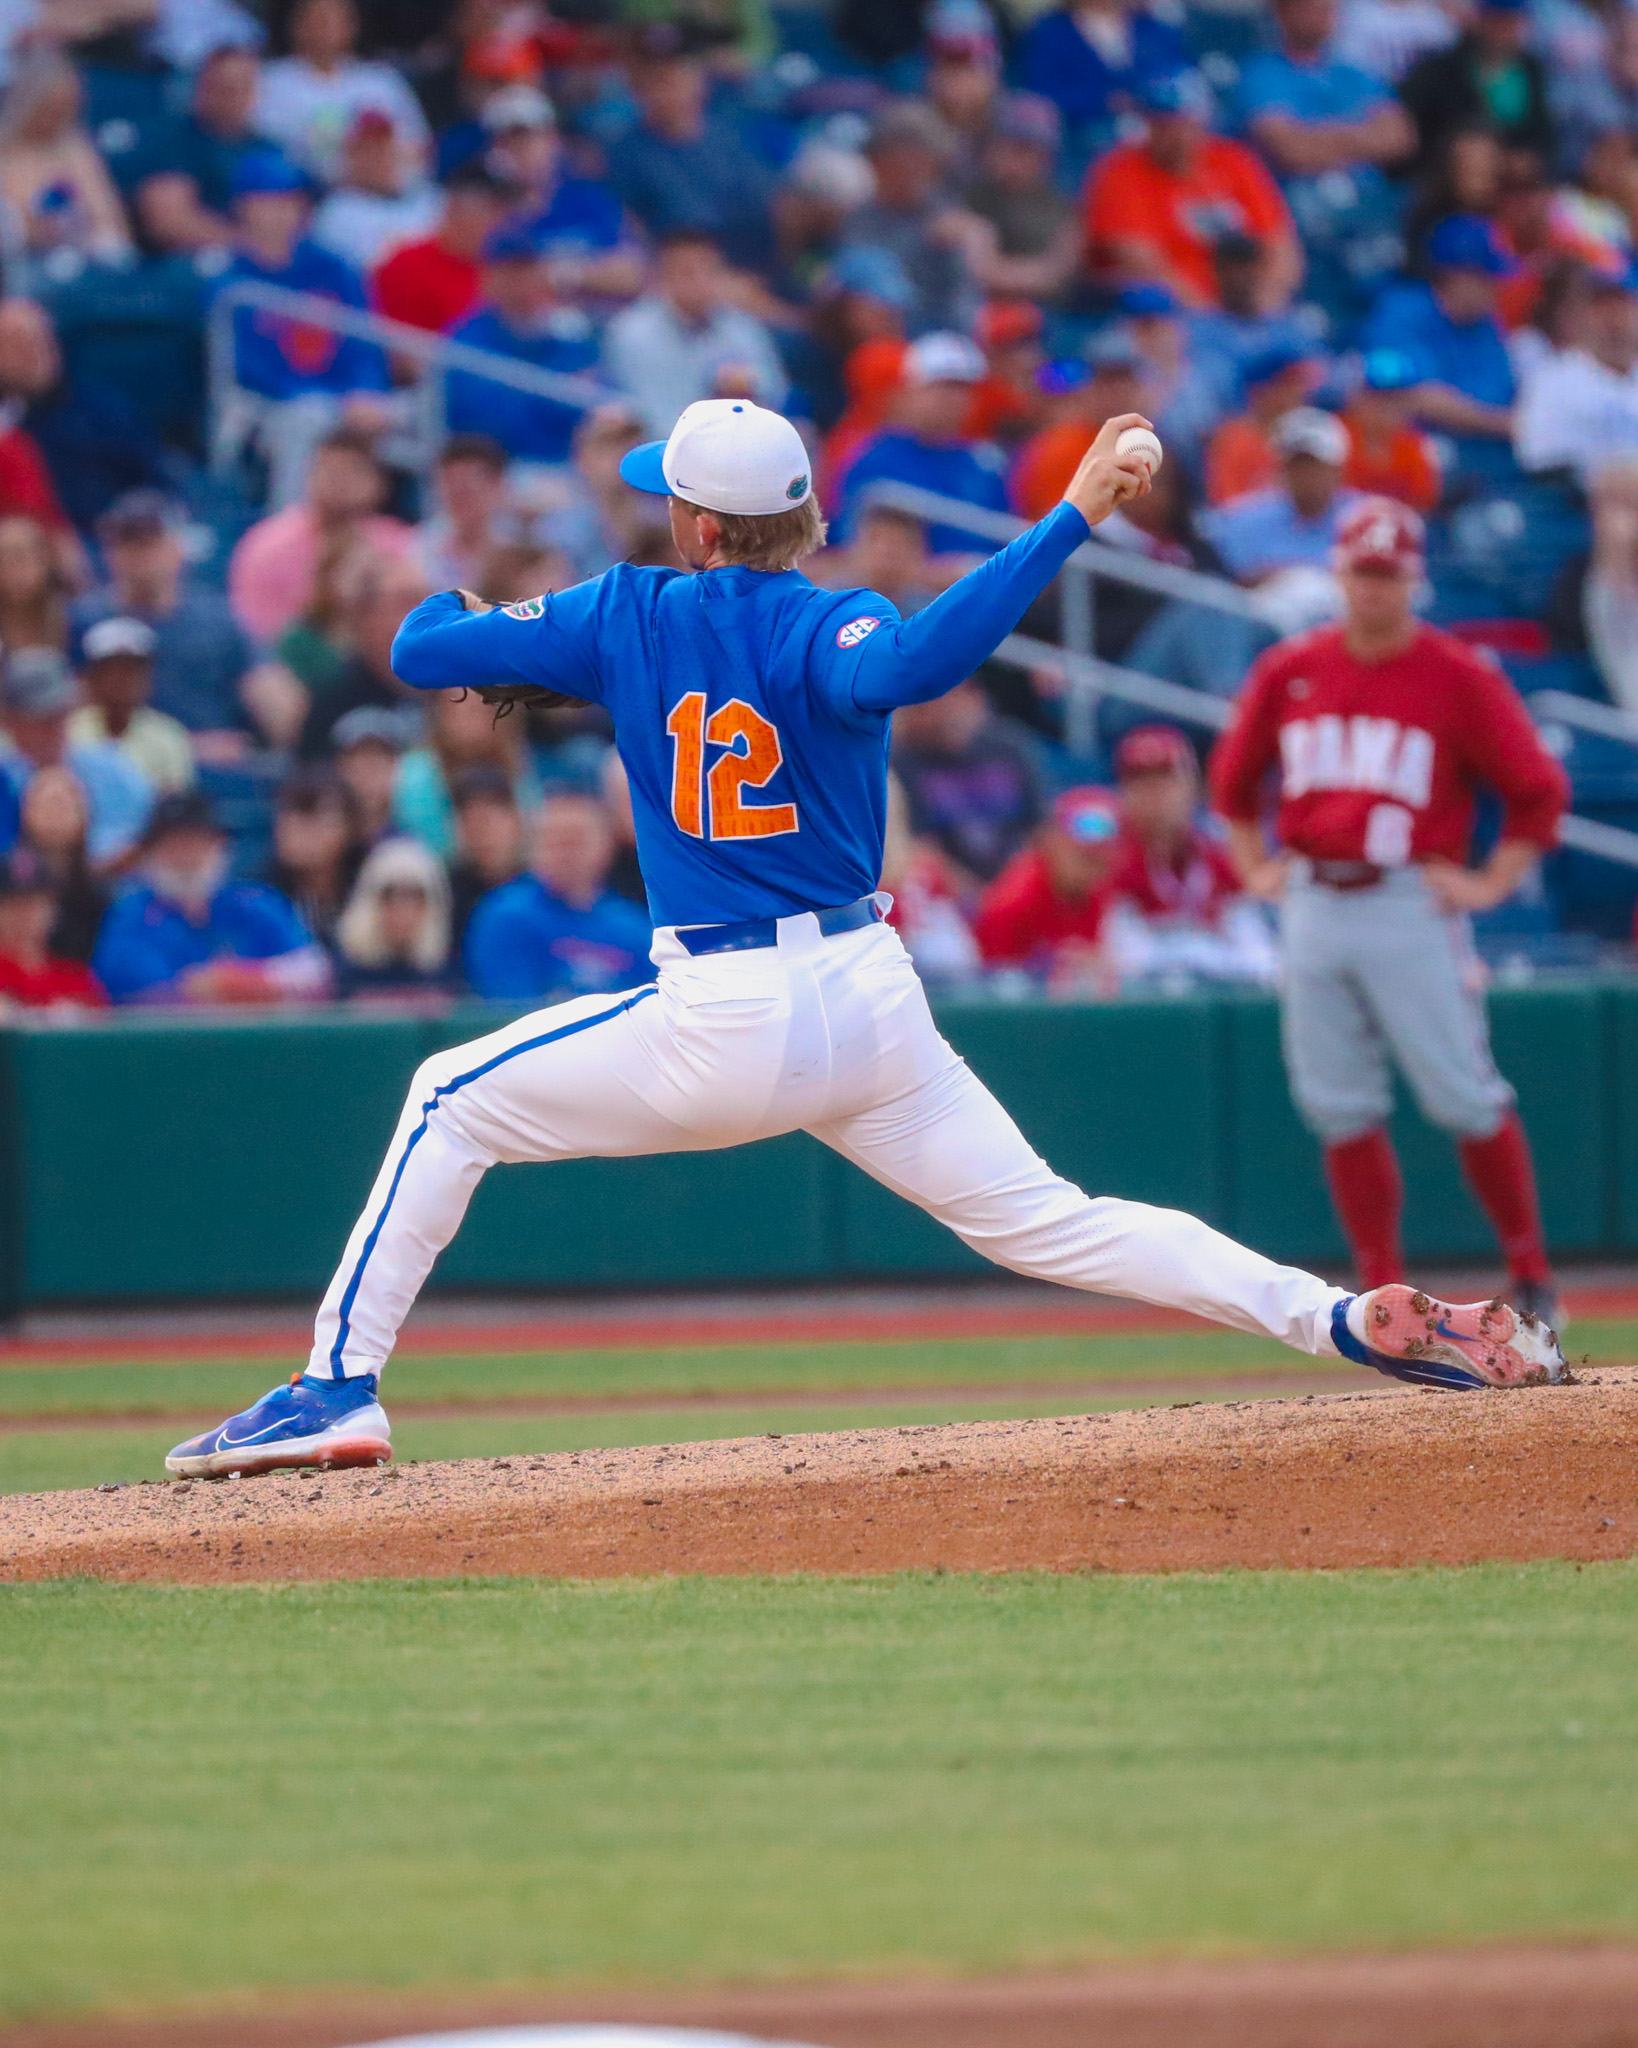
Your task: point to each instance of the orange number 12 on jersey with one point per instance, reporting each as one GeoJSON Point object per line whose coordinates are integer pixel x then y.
{"type": "Point", "coordinates": [709, 804]}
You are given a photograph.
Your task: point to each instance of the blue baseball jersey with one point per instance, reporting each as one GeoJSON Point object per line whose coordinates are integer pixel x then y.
{"type": "Point", "coordinates": [751, 709]}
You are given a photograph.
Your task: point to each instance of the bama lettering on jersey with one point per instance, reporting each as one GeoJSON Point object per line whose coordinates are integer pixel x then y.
{"type": "Point", "coordinates": [1378, 755]}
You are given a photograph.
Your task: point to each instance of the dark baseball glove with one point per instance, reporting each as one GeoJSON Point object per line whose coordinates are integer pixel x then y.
{"type": "Point", "coordinates": [507, 696]}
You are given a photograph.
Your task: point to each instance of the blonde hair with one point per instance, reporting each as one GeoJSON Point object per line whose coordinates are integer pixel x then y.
{"type": "Point", "coordinates": [771, 540]}
{"type": "Point", "coordinates": [396, 864]}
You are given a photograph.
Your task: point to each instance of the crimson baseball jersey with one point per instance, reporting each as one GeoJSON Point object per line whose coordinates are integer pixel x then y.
{"type": "Point", "coordinates": [1022, 918]}
{"type": "Point", "coordinates": [1381, 760]}
{"type": "Point", "coordinates": [1191, 890]}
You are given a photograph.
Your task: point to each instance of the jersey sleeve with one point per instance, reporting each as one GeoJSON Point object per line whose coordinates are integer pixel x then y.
{"type": "Point", "coordinates": [548, 641]}
{"type": "Point", "coordinates": [1247, 750]}
{"type": "Point", "coordinates": [872, 661]}
{"type": "Point", "coordinates": [1503, 749]}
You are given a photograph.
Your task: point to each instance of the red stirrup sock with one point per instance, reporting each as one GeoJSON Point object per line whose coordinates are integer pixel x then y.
{"type": "Point", "coordinates": [1499, 1172]}
{"type": "Point", "coordinates": [1365, 1189]}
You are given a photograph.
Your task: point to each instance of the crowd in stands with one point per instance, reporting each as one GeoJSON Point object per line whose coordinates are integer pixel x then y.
{"type": "Point", "coordinates": [1331, 247]}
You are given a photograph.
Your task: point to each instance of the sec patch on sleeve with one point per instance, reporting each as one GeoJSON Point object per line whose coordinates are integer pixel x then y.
{"type": "Point", "coordinates": [855, 630]}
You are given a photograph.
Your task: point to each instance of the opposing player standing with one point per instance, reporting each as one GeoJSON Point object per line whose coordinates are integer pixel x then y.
{"type": "Point", "coordinates": [1382, 729]}
{"type": "Point", "coordinates": [751, 711]}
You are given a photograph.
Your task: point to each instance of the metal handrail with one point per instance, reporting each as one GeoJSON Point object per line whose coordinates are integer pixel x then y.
{"type": "Point", "coordinates": [1087, 674]}
{"type": "Point", "coordinates": [1093, 557]}
{"type": "Point", "coordinates": [1087, 677]}
{"type": "Point", "coordinates": [1607, 842]}
{"type": "Point", "coordinates": [1606, 720]}
{"type": "Point", "coordinates": [434, 351]}
{"type": "Point", "coordinates": [1092, 678]}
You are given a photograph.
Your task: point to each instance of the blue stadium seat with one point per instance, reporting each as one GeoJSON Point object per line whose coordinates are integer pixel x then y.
{"type": "Point", "coordinates": [140, 330]}
{"type": "Point", "coordinates": [1502, 551]}
{"type": "Point", "coordinates": [1592, 895]}
{"type": "Point", "coordinates": [243, 799]}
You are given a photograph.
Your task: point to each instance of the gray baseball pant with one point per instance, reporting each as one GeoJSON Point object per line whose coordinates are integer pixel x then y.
{"type": "Point", "coordinates": [1380, 975]}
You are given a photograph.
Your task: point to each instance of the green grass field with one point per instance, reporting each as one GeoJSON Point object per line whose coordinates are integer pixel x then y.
{"type": "Point", "coordinates": [214, 1792]}
{"type": "Point", "coordinates": [909, 1382]}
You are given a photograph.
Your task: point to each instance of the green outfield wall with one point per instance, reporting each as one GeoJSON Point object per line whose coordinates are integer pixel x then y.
{"type": "Point", "coordinates": [151, 1158]}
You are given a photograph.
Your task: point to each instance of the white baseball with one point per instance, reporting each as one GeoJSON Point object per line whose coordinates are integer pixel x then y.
{"type": "Point", "coordinates": [1139, 441]}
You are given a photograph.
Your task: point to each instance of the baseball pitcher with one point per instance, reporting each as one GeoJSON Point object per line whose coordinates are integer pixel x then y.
{"type": "Point", "coordinates": [1382, 729]}
{"type": "Point", "coordinates": [752, 712]}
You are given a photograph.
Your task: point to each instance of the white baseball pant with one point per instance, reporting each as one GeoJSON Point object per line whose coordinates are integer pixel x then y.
{"type": "Point", "coordinates": [832, 1036]}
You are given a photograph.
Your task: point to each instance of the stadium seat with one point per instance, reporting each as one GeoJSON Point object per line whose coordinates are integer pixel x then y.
{"type": "Point", "coordinates": [139, 330]}
{"type": "Point", "coordinates": [243, 798]}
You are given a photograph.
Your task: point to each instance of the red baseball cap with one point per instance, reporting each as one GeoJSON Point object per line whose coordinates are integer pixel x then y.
{"type": "Point", "coordinates": [1002, 322]}
{"type": "Point", "coordinates": [1089, 816]}
{"type": "Point", "coordinates": [1151, 750]}
{"type": "Point", "coordinates": [1380, 534]}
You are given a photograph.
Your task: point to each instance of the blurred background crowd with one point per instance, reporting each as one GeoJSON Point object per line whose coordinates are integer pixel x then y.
{"type": "Point", "coordinates": [1331, 247]}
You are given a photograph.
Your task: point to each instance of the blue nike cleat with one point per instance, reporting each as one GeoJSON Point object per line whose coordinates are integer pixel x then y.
{"type": "Point", "coordinates": [308, 1422]}
{"type": "Point", "coordinates": [1410, 1336]}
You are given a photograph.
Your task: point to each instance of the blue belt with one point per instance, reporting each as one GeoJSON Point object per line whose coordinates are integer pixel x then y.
{"type": "Point", "coordinates": [752, 932]}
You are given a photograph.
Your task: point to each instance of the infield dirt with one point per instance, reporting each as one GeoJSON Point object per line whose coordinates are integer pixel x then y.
{"type": "Point", "coordinates": [1392, 1478]}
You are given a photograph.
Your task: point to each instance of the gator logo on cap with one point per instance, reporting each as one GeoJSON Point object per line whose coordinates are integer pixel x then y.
{"type": "Point", "coordinates": [856, 630]}
{"type": "Point", "coordinates": [526, 608]}
{"type": "Point", "coordinates": [797, 489]}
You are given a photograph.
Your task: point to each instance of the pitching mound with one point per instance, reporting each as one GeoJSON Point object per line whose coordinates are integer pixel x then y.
{"type": "Point", "coordinates": [1512, 1998]}
{"type": "Point", "coordinates": [1392, 1478]}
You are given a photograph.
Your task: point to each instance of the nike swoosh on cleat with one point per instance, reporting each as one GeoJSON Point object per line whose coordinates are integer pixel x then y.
{"type": "Point", "coordinates": [1455, 1336]}
{"type": "Point", "coordinates": [234, 1443]}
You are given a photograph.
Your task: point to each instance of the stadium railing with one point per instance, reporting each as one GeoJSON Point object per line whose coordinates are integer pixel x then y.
{"type": "Point", "coordinates": [1086, 678]}
{"type": "Point", "coordinates": [231, 404]}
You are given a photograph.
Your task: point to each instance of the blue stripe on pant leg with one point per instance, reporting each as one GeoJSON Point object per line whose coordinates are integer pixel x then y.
{"type": "Point", "coordinates": [344, 1327]}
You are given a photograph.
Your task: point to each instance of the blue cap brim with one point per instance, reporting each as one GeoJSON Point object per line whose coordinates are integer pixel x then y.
{"type": "Point", "coordinates": [644, 470]}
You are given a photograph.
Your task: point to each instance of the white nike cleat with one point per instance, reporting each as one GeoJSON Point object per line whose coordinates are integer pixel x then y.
{"type": "Point", "coordinates": [1411, 1336]}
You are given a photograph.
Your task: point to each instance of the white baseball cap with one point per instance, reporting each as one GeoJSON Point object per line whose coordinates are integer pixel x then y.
{"type": "Point", "coordinates": [517, 106]}
{"type": "Point", "coordinates": [943, 358]}
{"type": "Point", "coordinates": [1305, 430]}
{"type": "Point", "coordinates": [727, 455]}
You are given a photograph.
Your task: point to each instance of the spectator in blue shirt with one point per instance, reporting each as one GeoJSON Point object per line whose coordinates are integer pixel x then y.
{"type": "Point", "coordinates": [578, 222]}
{"type": "Point", "coordinates": [186, 933]}
{"type": "Point", "coordinates": [519, 317]}
{"type": "Point", "coordinates": [1329, 131]}
{"type": "Point", "coordinates": [1294, 525]}
{"type": "Point", "coordinates": [206, 674]}
{"type": "Point", "coordinates": [180, 177]}
{"type": "Point", "coordinates": [1090, 59]}
{"type": "Point", "coordinates": [37, 694]}
{"type": "Point", "coordinates": [301, 380]}
{"type": "Point", "coordinates": [1181, 396]}
{"type": "Point", "coordinates": [1310, 113]}
{"type": "Point", "coordinates": [1448, 328]}
{"type": "Point", "coordinates": [926, 445]}
{"type": "Point", "coordinates": [684, 164]}
{"type": "Point", "coordinates": [1244, 325]}
{"type": "Point", "coordinates": [560, 930]}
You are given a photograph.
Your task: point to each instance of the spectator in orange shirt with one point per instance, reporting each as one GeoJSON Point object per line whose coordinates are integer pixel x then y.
{"type": "Point", "coordinates": [1155, 209]}
{"type": "Point", "coordinates": [1538, 234]}
{"type": "Point", "coordinates": [1241, 456]}
{"type": "Point", "coordinates": [1049, 458]}
{"type": "Point", "coordinates": [1387, 455]}
{"type": "Point", "coordinates": [1045, 911]}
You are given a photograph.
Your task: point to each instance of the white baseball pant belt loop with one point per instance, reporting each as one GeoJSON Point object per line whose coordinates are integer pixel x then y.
{"type": "Point", "coordinates": [830, 1035]}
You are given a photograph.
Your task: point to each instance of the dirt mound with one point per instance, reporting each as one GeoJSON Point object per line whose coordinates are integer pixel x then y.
{"type": "Point", "coordinates": [1389, 1478]}
{"type": "Point", "coordinates": [1502, 1998]}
